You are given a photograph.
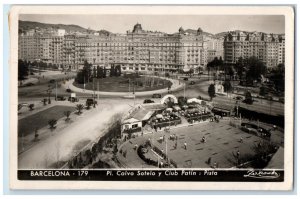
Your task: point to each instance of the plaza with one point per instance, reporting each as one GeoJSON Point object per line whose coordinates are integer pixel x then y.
{"type": "Point", "coordinates": [222, 141]}
{"type": "Point", "coordinates": [196, 101]}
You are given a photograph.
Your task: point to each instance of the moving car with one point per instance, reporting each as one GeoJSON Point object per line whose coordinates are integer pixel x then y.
{"type": "Point", "coordinates": [52, 81]}
{"type": "Point", "coordinates": [68, 90]}
{"type": "Point", "coordinates": [147, 101]}
{"type": "Point", "coordinates": [90, 102]}
{"type": "Point", "coordinates": [192, 83]}
{"type": "Point", "coordinates": [60, 98]}
{"type": "Point", "coordinates": [73, 99]}
{"type": "Point", "coordinates": [238, 98]}
{"type": "Point", "coordinates": [185, 79]}
{"type": "Point", "coordinates": [29, 84]}
{"type": "Point", "coordinates": [156, 95]}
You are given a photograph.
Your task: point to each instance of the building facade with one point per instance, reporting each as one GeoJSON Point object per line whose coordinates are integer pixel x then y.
{"type": "Point", "coordinates": [137, 50]}
{"type": "Point", "coordinates": [149, 51]}
{"type": "Point", "coordinates": [268, 48]}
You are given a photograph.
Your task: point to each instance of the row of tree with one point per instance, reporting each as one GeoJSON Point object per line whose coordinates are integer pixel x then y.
{"type": "Point", "coordinates": [89, 72]}
{"type": "Point", "coordinates": [249, 69]}
{"type": "Point", "coordinates": [24, 66]}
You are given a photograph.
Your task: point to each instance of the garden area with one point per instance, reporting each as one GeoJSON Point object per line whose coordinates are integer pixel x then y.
{"type": "Point", "coordinates": [39, 120]}
{"type": "Point", "coordinates": [126, 84]}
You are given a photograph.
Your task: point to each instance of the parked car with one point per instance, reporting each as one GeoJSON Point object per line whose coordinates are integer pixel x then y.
{"type": "Point", "coordinates": [68, 90]}
{"type": "Point", "coordinates": [52, 81]}
{"type": "Point", "coordinates": [192, 83]}
{"type": "Point", "coordinates": [147, 101]}
{"type": "Point", "coordinates": [24, 104]}
{"type": "Point", "coordinates": [73, 99]}
{"type": "Point", "coordinates": [281, 100]}
{"type": "Point", "coordinates": [29, 84]}
{"type": "Point", "coordinates": [156, 95]}
{"type": "Point", "coordinates": [60, 98]}
{"type": "Point", "coordinates": [185, 79]}
{"type": "Point", "coordinates": [90, 102]}
{"type": "Point", "coordinates": [238, 98]}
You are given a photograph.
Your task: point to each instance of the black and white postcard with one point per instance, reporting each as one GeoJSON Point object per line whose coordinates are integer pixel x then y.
{"type": "Point", "coordinates": [151, 97]}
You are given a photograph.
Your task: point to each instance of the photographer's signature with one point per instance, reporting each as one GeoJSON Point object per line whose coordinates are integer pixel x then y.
{"type": "Point", "coordinates": [262, 174]}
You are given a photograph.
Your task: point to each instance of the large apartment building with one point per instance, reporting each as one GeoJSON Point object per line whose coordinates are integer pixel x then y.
{"type": "Point", "coordinates": [137, 50]}
{"type": "Point", "coordinates": [269, 48]}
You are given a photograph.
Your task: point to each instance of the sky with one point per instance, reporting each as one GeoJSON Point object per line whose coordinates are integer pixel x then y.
{"type": "Point", "coordinates": [168, 23]}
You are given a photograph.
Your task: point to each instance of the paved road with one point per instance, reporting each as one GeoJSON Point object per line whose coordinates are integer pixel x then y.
{"type": "Point", "coordinates": [200, 89]}
{"type": "Point", "coordinates": [60, 146]}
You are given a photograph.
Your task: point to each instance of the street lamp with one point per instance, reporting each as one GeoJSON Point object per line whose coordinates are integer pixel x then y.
{"type": "Point", "coordinates": [49, 91]}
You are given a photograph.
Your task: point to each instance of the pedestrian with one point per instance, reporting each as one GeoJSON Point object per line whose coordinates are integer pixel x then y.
{"type": "Point", "coordinates": [209, 160]}
{"type": "Point", "coordinates": [175, 146]}
{"type": "Point", "coordinates": [185, 145]}
{"type": "Point", "coordinates": [215, 165]}
{"type": "Point", "coordinates": [241, 140]}
{"type": "Point", "coordinates": [238, 153]}
{"type": "Point", "coordinates": [203, 139]}
{"type": "Point", "coordinates": [164, 138]}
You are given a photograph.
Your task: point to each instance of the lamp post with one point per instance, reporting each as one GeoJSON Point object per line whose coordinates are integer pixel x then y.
{"type": "Point", "coordinates": [49, 91]}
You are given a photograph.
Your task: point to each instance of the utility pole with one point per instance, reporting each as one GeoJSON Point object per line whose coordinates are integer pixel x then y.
{"type": "Point", "coordinates": [83, 83]}
{"type": "Point", "coordinates": [184, 90]}
{"type": "Point", "coordinates": [98, 88]}
{"type": "Point", "coordinates": [55, 90]}
{"type": "Point", "coordinates": [94, 93]}
{"type": "Point", "coordinates": [133, 93]}
{"type": "Point", "coordinates": [167, 151]}
{"type": "Point", "coordinates": [22, 141]}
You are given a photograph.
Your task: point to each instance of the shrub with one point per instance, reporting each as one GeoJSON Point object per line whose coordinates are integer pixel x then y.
{"type": "Point", "coordinates": [79, 108]}
{"type": "Point", "coordinates": [52, 123]}
{"type": "Point", "coordinates": [31, 107]}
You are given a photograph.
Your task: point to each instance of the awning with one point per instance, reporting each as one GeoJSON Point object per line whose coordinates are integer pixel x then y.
{"type": "Point", "coordinates": [148, 115]}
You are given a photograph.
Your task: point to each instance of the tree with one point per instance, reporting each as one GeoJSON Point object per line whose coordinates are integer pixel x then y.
{"type": "Point", "coordinates": [256, 68]}
{"type": "Point", "coordinates": [191, 71]}
{"type": "Point", "coordinates": [98, 72]}
{"type": "Point", "coordinates": [104, 72]}
{"type": "Point", "coordinates": [20, 106]}
{"type": "Point", "coordinates": [44, 101]}
{"type": "Point", "coordinates": [227, 86]}
{"type": "Point", "coordinates": [112, 71]}
{"type": "Point", "coordinates": [52, 123]}
{"type": "Point", "coordinates": [248, 98]}
{"type": "Point", "coordinates": [250, 68]}
{"type": "Point", "coordinates": [277, 76]}
{"type": "Point", "coordinates": [85, 74]}
{"type": "Point", "coordinates": [79, 108]}
{"type": "Point", "coordinates": [182, 101]}
{"type": "Point", "coordinates": [67, 114]}
{"type": "Point", "coordinates": [262, 91]}
{"type": "Point", "coordinates": [170, 102]}
{"type": "Point", "coordinates": [211, 91]}
{"type": "Point", "coordinates": [262, 153]}
{"type": "Point", "coordinates": [94, 72]}
{"type": "Point", "coordinates": [240, 67]}
{"type": "Point", "coordinates": [36, 135]}
{"type": "Point", "coordinates": [31, 107]}
{"type": "Point", "coordinates": [22, 69]}
{"type": "Point", "coordinates": [117, 70]}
